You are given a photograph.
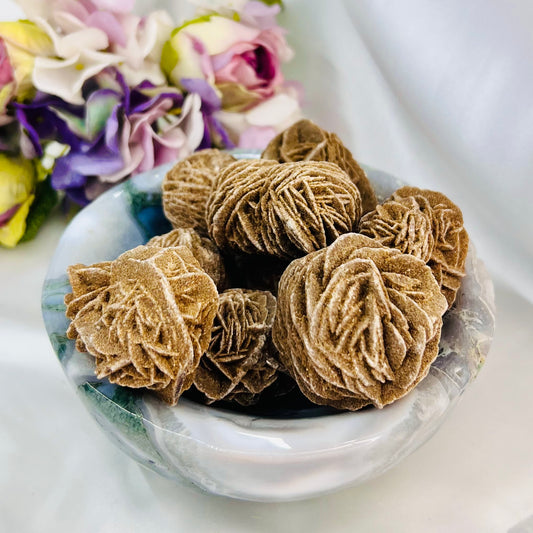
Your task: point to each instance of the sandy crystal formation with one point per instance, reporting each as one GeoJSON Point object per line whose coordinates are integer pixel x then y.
{"type": "Point", "coordinates": [305, 141]}
{"type": "Point", "coordinates": [239, 363]}
{"type": "Point", "coordinates": [146, 317]}
{"type": "Point", "coordinates": [285, 210]}
{"type": "Point", "coordinates": [187, 187]}
{"type": "Point", "coordinates": [358, 323]}
{"type": "Point", "coordinates": [202, 248]}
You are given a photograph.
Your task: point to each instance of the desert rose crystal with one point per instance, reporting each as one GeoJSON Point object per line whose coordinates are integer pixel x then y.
{"type": "Point", "coordinates": [188, 185]}
{"type": "Point", "coordinates": [284, 210]}
{"type": "Point", "coordinates": [145, 317]}
{"type": "Point", "coordinates": [202, 248]}
{"type": "Point", "coordinates": [305, 141]}
{"type": "Point", "coordinates": [403, 224]}
{"type": "Point", "coordinates": [240, 362]}
{"type": "Point", "coordinates": [448, 256]}
{"type": "Point", "coordinates": [358, 323]}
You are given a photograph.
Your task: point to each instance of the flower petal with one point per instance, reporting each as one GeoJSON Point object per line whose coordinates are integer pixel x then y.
{"type": "Point", "coordinates": [68, 22]}
{"type": "Point", "coordinates": [218, 33]}
{"type": "Point", "coordinates": [65, 78]}
{"type": "Point", "coordinates": [27, 36]}
{"type": "Point", "coordinates": [210, 99]}
{"type": "Point", "coordinates": [184, 54]}
{"type": "Point", "coordinates": [109, 24]}
{"type": "Point", "coordinates": [256, 137]}
{"type": "Point", "coordinates": [6, 94]}
{"type": "Point", "coordinates": [273, 111]}
{"type": "Point", "coordinates": [235, 97]}
{"type": "Point", "coordinates": [6, 70]}
{"type": "Point", "coordinates": [6, 216]}
{"type": "Point", "coordinates": [192, 122]}
{"type": "Point", "coordinates": [63, 177]}
{"type": "Point", "coordinates": [72, 44]}
{"type": "Point", "coordinates": [130, 160]}
{"type": "Point", "coordinates": [17, 180]}
{"type": "Point", "coordinates": [260, 15]}
{"type": "Point", "coordinates": [17, 183]}
{"type": "Point", "coordinates": [100, 106]}
{"type": "Point", "coordinates": [115, 6]}
{"type": "Point", "coordinates": [148, 70]}
{"type": "Point", "coordinates": [12, 232]}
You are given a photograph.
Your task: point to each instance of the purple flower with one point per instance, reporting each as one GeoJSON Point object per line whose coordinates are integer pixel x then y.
{"type": "Point", "coordinates": [118, 132]}
{"type": "Point", "coordinates": [214, 133]}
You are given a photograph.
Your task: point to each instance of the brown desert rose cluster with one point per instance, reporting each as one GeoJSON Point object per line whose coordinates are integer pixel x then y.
{"type": "Point", "coordinates": [281, 271]}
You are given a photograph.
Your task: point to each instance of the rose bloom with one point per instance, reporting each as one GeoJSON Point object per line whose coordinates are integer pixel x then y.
{"type": "Point", "coordinates": [240, 58]}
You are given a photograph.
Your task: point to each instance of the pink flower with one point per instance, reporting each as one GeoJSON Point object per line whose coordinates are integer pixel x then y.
{"type": "Point", "coordinates": [7, 83]}
{"type": "Point", "coordinates": [241, 59]}
{"type": "Point", "coordinates": [144, 148]}
{"type": "Point", "coordinates": [6, 70]}
{"type": "Point", "coordinates": [113, 17]}
{"type": "Point", "coordinates": [255, 127]}
{"type": "Point", "coordinates": [115, 6]}
{"type": "Point", "coordinates": [70, 16]}
{"type": "Point", "coordinates": [253, 65]}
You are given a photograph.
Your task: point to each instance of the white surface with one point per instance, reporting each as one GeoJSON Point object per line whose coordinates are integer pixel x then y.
{"type": "Point", "coordinates": [440, 95]}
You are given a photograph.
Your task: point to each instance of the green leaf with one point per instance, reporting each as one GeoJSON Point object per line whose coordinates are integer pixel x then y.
{"type": "Point", "coordinates": [196, 20]}
{"type": "Point", "coordinates": [98, 112]}
{"type": "Point", "coordinates": [45, 200]}
{"type": "Point", "coordinates": [273, 2]}
{"type": "Point", "coordinates": [169, 59]}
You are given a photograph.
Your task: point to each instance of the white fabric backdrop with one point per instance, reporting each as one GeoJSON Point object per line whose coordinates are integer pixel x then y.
{"type": "Point", "coordinates": [438, 93]}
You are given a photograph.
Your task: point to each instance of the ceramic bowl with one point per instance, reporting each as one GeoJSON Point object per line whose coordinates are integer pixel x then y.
{"type": "Point", "coordinates": [281, 455]}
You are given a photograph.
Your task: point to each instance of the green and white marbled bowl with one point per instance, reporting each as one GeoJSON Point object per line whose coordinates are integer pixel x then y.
{"type": "Point", "coordinates": [287, 453]}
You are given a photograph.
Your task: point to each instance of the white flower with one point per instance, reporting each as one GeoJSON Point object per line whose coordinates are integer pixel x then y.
{"type": "Point", "coordinates": [83, 51]}
{"type": "Point", "coordinates": [78, 59]}
{"type": "Point", "coordinates": [76, 41]}
{"type": "Point", "coordinates": [142, 53]}
{"type": "Point", "coordinates": [65, 77]}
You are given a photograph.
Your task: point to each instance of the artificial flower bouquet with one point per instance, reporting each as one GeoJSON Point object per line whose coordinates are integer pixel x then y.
{"type": "Point", "coordinates": [91, 94]}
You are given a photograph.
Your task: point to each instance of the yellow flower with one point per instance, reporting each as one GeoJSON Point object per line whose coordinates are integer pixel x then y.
{"type": "Point", "coordinates": [17, 186]}
{"type": "Point", "coordinates": [24, 41]}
